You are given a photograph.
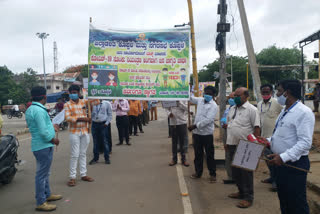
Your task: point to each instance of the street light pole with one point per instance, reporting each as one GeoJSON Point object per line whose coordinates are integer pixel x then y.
{"type": "Point", "coordinates": [43, 36]}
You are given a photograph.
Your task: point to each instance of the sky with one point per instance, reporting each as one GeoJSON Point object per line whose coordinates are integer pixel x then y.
{"type": "Point", "coordinates": [283, 23]}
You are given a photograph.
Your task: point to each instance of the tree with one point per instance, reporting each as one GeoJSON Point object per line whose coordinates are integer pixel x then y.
{"type": "Point", "coordinates": [28, 79]}
{"type": "Point", "coordinates": [83, 69]}
{"type": "Point", "coordinates": [6, 80]}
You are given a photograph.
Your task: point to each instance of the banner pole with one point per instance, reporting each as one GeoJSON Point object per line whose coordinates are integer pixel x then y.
{"type": "Point", "coordinates": [193, 48]}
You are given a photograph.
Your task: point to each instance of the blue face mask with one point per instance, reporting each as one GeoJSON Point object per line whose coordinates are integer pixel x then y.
{"type": "Point", "coordinates": [207, 98]}
{"type": "Point", "coordinates": [74, 96]}
{"type": "Point", "coordinates": [231, 102]}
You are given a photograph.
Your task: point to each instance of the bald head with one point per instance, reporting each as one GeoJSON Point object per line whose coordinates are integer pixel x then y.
{"type": "Point", "coordinates": [231, 95]}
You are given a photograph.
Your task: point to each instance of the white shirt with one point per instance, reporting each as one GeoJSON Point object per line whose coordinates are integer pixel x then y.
{"type": "Point", "coordinates": [241, 122]}
{"type": "Point", "coordinates": [206, 113]}
{"type": "Point", "coordinates": [293, 135]}
{"type": "Point", "coordinates": [180, 113]}
{"type": "Point", "coordinates": [15, 107]}
{"type": "Point", "coordinates": [102, 112]}
{"type": "Point", "coordinates": [269, 113]}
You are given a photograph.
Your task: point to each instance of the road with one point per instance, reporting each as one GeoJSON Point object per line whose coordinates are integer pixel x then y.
{"type": "Point", "coordinates": [138, 180]}
{"type": "Point", "coordinates": [14, 124]}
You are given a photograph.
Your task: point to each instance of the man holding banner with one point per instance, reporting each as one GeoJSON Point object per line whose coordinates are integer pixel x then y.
{"type": "Point", "coordinates": [243, 119]}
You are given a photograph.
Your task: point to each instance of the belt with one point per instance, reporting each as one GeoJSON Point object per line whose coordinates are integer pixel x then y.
{"type": "Point", "coordinates": [99, 122]}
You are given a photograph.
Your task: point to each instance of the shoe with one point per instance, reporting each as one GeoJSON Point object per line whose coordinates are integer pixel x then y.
{"type": "Point", "coordinates": [128, 144]}
{"type": "Point", "coordinates": [185, 163]}
{"type": "Point", "coordinates": [54, 197]}
{"type": "Point", "coordinates": [267, 181]}
{"type": "Point", "coordinates": [71, 182]}
{"type": "Point", "coordinates": [107, 162]}
{"type": "Point", "coordinates": [195, 176]}
{"type": "Point", "coordinates": [136, 135]}
{"type": "Point", "coordinates": [229, 182]}
{"type": "Point", "coordinates": [87, 178]}
{"type": "Point", "coordinates": [141, 131]}
{"type": "Point", "coordinates": [93, 161]}
{"type": "Point", "coordinates": [172, 163]}
{"type": "Point", "coordinates": [212, 179]}
{"type": "Point", "coordinates": [236, 195]}
{"type": "Point", "coordinates": [244, 204]}
{"type": "Point", "coordinates": [118, 144]}
{"type": "Point", "coordinates": [46, 207]}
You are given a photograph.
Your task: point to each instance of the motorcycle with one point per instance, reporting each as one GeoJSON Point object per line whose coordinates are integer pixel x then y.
{"type": "Point", "coordinates": [8, 158]}
{"type": "Point", "coordinates": [52, 113]}
{"type": "Point", "coordinates": [12, 113]}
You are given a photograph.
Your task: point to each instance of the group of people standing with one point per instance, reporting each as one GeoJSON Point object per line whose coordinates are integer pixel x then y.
{"type": "Point", "coordinates": [129, 114]}
{"type": "Point", "coordinates": [285, 124]}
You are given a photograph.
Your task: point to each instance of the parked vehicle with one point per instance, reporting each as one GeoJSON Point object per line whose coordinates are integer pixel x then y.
{"type": "Point", "coordinates": [310, 93]}
{"type": "Point", "coordinates": [8, 158]}
{"type": "Point", "coordinates": [11, 113]}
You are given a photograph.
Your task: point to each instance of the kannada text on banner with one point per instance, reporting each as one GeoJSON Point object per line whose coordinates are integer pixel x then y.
{"type": "Point", "coordinates": [150, 65]}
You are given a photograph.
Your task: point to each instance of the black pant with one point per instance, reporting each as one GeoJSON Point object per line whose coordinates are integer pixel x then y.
{"type": "Point", "coordinates": [169, 127]}
{"type": "Point", "coordinates": [99, 135]}
{"type": "Point", "coordinates": [291, 184]}
{"type": "Point", "coordinates": [243, 178]}
{"type": "Point", "coordinates": [272, 168]}
{"type": "Point", "coordinates": [140, 121]}
{"type": "Point", "coordinates": [178, 137]}
{"type": "Point", "coordinates": [123, 128]}
{"type": "Point", "coordinates": [133, 122]}
{"type": "Point", "coordinates": [109, 137]}
{"type": "Point", "coordinates": [200, 143]}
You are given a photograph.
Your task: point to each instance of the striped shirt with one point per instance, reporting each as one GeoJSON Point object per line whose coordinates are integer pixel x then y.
{"type": "Point", "coordinates": [73, 111]}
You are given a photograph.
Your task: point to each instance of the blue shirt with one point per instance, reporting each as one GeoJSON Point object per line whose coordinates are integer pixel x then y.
{"type": "Point", "coordinates": [40, 127]}
{"type": "Point", "coordinates": [102, 113]}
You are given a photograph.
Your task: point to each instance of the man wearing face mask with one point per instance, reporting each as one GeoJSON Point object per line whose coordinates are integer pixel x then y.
{"type": "Point", "coordinates": [42, 145]}
{"type": "Point", "coordinates": [224, 124]}
{"type": "Point", "coordinates": [76, 116]}
{"type": "Point", "coordinates": [203, 129]}
{"type": "Point", "coordinates": [269, 109]}
{"type": "Point", "coordinates": [290, 143]}
{"type": "Point", "coordinates": [243, 119]}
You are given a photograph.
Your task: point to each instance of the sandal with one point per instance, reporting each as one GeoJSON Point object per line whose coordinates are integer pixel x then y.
{"type": "Point", "coordinates": [185, 163]}
{"type": "Point", "coordinates": [71, 182]}
{"type": "Point", "coordinates": [87, 178]}
{"type": "Point", "coordinates": [195, 176]}
{"type": "Point", "coordinates": [172, 163]}
{"type": "Point", "coordinates": [236, 195]}
{"type": "Point", "coordinates": [244, 204]}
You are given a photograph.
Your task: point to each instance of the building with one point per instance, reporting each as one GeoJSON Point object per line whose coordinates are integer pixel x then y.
{"type": "Point", "coordinates": [57, 82]}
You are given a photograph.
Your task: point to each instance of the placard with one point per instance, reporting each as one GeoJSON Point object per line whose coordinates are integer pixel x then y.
{"type": "Point", "coordinates": [59, 118]}
{"type": "Point", "coordinates": [247, 155]}
{"type": "Point", "coordinates": [169, 104]}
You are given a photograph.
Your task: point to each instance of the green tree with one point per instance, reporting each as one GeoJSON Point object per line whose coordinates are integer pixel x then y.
{"type": "Point", "coordinates": [7, 83]}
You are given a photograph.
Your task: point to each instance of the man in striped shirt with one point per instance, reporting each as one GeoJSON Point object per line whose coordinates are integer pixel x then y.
{"type": "Point", "coordinates": [76, 116]}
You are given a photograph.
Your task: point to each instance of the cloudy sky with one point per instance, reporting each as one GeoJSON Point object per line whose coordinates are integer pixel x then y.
{"type": "Point", "coordinates": [271, 22]}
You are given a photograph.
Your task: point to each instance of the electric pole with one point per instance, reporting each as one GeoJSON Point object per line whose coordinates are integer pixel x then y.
{"type": "Point", "coordinates": [55, 57]}
{"type": "Point", "coordinates": [222, 28]}
{"type": "Point", "coordinates": [250, 50]}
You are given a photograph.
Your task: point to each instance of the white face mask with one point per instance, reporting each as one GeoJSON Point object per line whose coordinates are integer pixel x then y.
{"type": "Point", "coordinates": [94, 77]}
{"type": "Point", "coordinates": [282, 100]}
{"type": "Point", "coordinates": [111, 78]}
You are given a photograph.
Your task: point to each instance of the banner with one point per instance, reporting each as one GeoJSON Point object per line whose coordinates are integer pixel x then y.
{"type": "Point", "coordinates": [143, 65]}
{"type": "Point", "coordinates": [202, 85]}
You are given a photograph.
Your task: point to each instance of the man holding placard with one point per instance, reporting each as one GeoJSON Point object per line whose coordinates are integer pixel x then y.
{"type": "Point", "coordinates": [243, 119]}
{"type": "Point", "coordinates": [203, 128]}
{"type": "Point", "coordinates": [290, 143]}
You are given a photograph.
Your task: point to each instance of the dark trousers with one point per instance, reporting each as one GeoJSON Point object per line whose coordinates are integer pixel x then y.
{"type": "Point", "coordinates": [178, 137]}
{"type": "Point", "coordinates": [200, 143]}
{"type": "Point", "coordinates": [109, 137]}
{"type": "Point", "coordinates": [133, 123]}
{"type": "Point", "coordinates": [169, 128]}
{"type": "Point", "coordinates": [272, 168]}
{"type": "Point", "coordinates": [99, 135]}
{"type": "Point", "coordinates": [123, 128]}
{"type": "Point", "coordinates": [243, 178]}
{"type": "Point", "coordinates": [291, 184]}
{"type": "Point", "coordinates": [140, 122]}
{"type": "Point", "coordinates": [145, 116]}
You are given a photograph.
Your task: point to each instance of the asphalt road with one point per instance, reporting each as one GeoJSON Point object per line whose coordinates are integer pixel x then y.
{"type": "Point", "coordinates": [138, 181]}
